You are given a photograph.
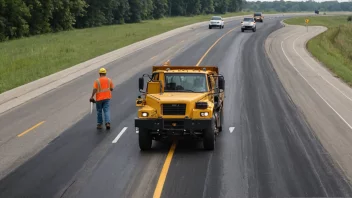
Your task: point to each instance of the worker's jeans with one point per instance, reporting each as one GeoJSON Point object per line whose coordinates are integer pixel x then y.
{"type": "Point", "coordinates": [103, 105]}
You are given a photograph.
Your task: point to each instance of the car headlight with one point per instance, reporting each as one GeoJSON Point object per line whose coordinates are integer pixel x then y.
{"type": "Point", "coordinates": [204, 114]}
{"type": "Point", "coordinates": [145, 114]}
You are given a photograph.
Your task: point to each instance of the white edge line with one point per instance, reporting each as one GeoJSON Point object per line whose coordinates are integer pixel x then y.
{"type": "Point", "coordinates": [293, 46]}
{"type": "Point", "coordinates": [119, 135]}
{"type": "Point", "coordinates": [315, 89]}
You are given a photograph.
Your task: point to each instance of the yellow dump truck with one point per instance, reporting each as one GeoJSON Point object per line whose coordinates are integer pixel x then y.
{"type": "Point", "coordinates": [180, 102]}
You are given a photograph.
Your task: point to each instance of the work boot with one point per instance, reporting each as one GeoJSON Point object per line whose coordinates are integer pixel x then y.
{"type": "Point", "coordinates": [107, 125]}
{"type": "Point", "coordinates": [99, 126]}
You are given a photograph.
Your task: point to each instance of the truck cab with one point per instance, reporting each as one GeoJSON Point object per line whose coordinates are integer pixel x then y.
{"type": "Point", "coordinates": [180, 102]}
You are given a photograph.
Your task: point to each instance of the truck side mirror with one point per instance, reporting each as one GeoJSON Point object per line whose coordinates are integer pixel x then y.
{"type": "Point", "coordinates": [221, 83]}
{"type": "Point", "coordinates": [141, 83]}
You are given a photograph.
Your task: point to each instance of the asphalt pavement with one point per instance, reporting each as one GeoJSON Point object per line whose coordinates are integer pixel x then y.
{"type": "Point", "coordinates": [326, 101]}
{"type": "Point", "coordinates": [272, 151]}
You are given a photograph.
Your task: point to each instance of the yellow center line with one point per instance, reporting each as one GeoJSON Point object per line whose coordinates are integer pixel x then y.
{"type": "Point", "coordinates": [167, 163]}
{"type": "Point", "coordinates": [30, 129]}
{"type": "Point", "coordinates": [163, 174]}
{"type": "Point", "coordinates": [211, 47]}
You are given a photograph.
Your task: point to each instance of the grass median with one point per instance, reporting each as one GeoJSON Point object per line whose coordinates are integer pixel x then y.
{"type": "Point", "coordinates": [28, 59]}
{"type": "Point", "coordinates": [333, 47]}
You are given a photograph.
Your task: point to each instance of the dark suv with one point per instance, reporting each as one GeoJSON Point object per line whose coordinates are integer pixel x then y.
{"type": "Point", "coordinates": [258, 16]}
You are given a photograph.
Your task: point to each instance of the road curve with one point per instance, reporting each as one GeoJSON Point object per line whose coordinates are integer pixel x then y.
{"type": "Point", "coordinates": [272, 151]}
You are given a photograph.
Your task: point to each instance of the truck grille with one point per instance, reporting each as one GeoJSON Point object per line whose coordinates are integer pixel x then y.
{"type": "Point", "coordinates": [174, 109]}
{"type": "Point", "coordinates": [174, 124]}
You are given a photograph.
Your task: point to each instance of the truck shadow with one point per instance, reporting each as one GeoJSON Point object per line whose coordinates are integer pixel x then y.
{"type": "Point", "coordinates": [181, 146]}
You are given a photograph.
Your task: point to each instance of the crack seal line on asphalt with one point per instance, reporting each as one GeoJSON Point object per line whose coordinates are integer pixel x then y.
{"type": "Point", "coordinates": [167, 163]}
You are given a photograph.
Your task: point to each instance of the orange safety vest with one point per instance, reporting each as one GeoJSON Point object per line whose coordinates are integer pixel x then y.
{"type": "Point", "coordinates": [103, 85]}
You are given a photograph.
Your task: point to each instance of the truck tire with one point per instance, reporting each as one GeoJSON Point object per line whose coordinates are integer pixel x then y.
{"type": "Point", "coordinates": [209, 136]}
{"type": "Point", "coordinates": [209, 27]}
{"type": "Point", "coordinates": [145, 140]}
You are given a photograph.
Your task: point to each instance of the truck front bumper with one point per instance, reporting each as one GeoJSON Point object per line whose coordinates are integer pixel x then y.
{"type": "Point", "coordinates": [172, 124]}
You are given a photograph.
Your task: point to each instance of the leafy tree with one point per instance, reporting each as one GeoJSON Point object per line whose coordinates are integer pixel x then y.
{"type": "Point", "coordinates": [160, 8]}
{"type": "Point", "coordinates": [65, 13]}
{"type": "Point", "coordinates": [135, 11]}
{"type": "Point", "coordinates": [41, 13]}
{"type": "Point", "coordinates": [207, 6]}
{"type": "Point", "coordinates": [14, 15]}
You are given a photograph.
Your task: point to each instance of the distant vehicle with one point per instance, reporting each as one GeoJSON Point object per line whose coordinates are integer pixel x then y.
{"type": "Point", "coordinates": [316, 11]}
{"type": "Point", "coordinates": [216, 21]}
{"type": "Point", "coordinates": [258, 16]}
{"type": "Point", "coordinates": [248, 23]}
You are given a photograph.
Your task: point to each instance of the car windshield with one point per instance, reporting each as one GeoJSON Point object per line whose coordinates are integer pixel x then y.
{"type": "Point", "coordinates": [216, 18]}
{"type": "Point", "coordinates": [257, 14]}
{"type": "Point", "coordinates": [181, 82]}
{"type": "Point", "coordinates": [248, 19]}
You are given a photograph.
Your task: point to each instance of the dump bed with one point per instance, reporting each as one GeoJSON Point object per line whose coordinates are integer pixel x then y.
{"type": "Point", "coordinates": [187, 68]}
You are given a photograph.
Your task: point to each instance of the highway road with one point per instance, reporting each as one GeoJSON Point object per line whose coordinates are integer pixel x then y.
{"type": "Point", "coordinates": [271, 151]}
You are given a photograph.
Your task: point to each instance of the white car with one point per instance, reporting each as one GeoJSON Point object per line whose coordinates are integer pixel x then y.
{"type": "Point", "coordinates": [248, 23]}
{"type": "Point", "coordinates": [216, 21]}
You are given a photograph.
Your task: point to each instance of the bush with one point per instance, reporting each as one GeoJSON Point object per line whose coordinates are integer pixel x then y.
{"type": "Point", "coordinates": [349, 18]}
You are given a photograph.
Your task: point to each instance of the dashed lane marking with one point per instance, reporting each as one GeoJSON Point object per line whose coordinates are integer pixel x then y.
{"type": "Point", "coordinates": [119, 135]}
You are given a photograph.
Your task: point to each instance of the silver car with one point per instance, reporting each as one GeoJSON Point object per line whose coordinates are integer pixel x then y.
{"type": "Point", "coordinates": [248, 23]}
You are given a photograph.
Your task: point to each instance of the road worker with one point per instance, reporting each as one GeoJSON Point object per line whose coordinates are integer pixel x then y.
{"type": "Point", "coordinates": [102, 89]}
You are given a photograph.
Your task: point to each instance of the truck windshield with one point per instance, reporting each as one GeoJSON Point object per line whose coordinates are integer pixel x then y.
{"type": "Point", "coordinates": [257, 14]}
{"type": "Point", "coordinates": [185, 82]}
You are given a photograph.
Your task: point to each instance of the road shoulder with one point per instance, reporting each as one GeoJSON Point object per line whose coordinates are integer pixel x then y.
{"type": "Point", "coordinates": [325, 101]}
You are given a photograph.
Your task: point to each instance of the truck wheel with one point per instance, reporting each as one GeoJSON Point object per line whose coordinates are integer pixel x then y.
{"type": "Point", "coordinates": [209, 136]}
{"type": "Point", "coordinates": [145, 139]}
{"type": "Point", "coordinates": [209, 27]}
{"type": "Point", "coordinates": [242, 30]}
{"type": "Point", "coordinates": [254, 29]}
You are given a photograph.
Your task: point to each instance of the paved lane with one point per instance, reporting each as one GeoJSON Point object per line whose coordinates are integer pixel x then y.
{"type": "Point", "coordinates": [54, 169]}
{"type": "Point", "coordinates": [271, 152]}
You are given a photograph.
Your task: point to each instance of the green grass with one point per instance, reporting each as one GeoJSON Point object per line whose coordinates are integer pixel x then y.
{"type": "Point", "coordinates": [334, 47]}
{"type": "Point", "coordinates": [28, 59]}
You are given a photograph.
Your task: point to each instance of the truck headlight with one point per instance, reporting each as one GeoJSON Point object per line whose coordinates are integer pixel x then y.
{"type": "Point", "coordinates": [204, 114]}
{"type": "Point", "coordinates": [145, 114]}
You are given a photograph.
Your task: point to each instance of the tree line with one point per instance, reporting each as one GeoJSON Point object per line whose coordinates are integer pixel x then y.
{"type": "Point", "coordinates": [19, 18]}
{"type": "Point", "coordinates": [289, 6]}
